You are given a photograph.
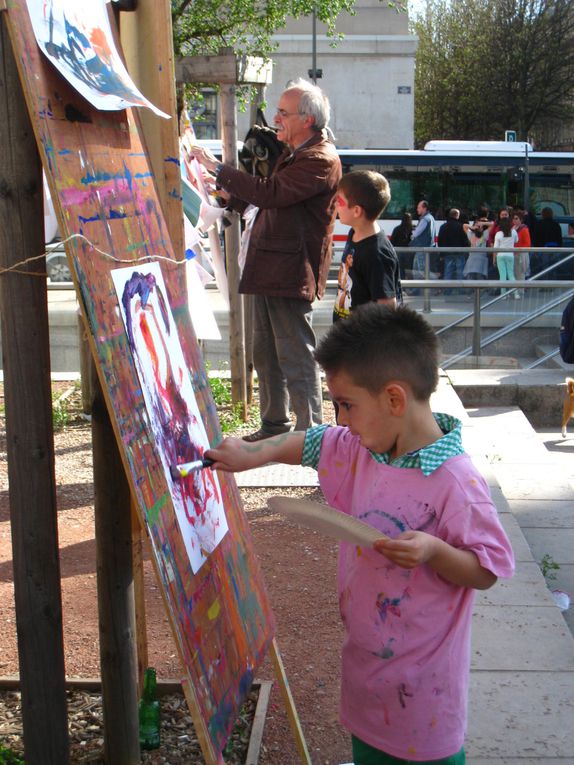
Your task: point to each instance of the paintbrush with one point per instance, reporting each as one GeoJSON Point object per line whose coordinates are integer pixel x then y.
{"type": "Point", "coordinates": [183, 470]}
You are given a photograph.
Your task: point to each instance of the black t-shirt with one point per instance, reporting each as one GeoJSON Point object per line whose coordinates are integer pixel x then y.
{"type": "Point", "coordinates": [374, 270]}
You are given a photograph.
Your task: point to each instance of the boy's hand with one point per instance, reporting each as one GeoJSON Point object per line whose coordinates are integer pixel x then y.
{"type": "Point", "coordinates": [409, 549]}
{"type": "Point", "coordinates": [234, 454]}
{"type": "Point", "coordinates": [230, 456]}
{"type": "Point", "coordinates": [458, 566]}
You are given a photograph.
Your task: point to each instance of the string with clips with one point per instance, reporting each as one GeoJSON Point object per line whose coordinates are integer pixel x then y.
{"type": "Point", "coordinates": [16, 268]}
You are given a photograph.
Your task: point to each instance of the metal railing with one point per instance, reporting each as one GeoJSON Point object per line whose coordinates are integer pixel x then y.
{"type": "Point", "coordinates": [540, 281]}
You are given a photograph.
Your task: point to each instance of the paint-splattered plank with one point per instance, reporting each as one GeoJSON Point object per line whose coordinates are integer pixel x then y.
{"type": "Point", "coordinates": [103, 188]}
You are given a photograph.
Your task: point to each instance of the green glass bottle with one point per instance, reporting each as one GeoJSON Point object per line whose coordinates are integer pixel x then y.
{"type": "Point", "coordinates": [149, 712]}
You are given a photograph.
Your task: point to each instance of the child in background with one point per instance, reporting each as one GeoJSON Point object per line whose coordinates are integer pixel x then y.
{"type": "Point", "coordinates": [406, 603]}
{"type": "Point", "coordinates": [369, 269]}
{"type": "Point", "coordinates": [521, 259]}
{"type": "Point", "coordinates": [506, 236]}
{"type": "Point", "coordinates": [476, 266]}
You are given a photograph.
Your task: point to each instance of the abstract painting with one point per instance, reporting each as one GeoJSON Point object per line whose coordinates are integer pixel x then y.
{"type": "Point", "coordinates": [174, 416]}
{"type": "Point", "coordinates": [77, 39]}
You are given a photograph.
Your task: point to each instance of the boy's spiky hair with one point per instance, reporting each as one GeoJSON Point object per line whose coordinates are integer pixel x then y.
{"type": "Point", "coordinates": [378, 344]}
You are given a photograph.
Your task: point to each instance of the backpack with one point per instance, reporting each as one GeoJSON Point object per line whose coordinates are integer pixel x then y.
{"type": "Point", "coordinates": [261, 148]}
{"type": "Point", "coordinates": [567, 333]}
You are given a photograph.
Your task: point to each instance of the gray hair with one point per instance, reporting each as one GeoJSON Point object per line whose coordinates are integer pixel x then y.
{"type": "Point", "coordinates": [313, 103]}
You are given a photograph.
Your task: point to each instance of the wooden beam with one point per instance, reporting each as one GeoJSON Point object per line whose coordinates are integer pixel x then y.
{"type": "Point", "coordinates": [226, 69]}
{"type": "Point", "coordinates": [116, 607]}
{"type": "Point", "coordinates": [232, 243]}
{"type": "Point", "coordinates": [29, 436]}
{"type": "Point", "coordinates": [147, 43]}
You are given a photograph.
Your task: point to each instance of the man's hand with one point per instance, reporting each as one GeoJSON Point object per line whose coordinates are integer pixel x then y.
{"type": "Point", "coordinates": [204, 157]}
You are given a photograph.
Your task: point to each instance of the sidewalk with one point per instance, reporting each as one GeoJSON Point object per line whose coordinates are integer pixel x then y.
{"type": "Point", "coordinates": [522, 678]}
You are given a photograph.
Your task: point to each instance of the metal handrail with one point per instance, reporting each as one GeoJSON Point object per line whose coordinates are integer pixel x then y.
{"type": "Point", "coordinates": [509, 328]}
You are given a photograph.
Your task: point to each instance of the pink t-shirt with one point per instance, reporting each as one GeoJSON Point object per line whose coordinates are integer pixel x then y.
{"type": "Point", "coordinates": [406, 654]}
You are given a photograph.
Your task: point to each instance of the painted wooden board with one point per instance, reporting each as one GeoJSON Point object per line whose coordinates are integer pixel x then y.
{"type": "Point", "coordinates": [103, 189]}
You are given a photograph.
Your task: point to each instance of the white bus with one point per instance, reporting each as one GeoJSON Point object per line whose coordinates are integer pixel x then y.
{"type": "Point", "coordinates": [469, 175]}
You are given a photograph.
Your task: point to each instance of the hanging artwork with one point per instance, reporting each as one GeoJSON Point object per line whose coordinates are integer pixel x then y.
{"type": "Point", "coordinates": [175, 420]}
{"type": "Point", "coordinates": [77, 39]}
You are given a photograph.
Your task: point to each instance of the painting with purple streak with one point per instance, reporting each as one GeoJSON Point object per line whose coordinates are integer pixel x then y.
{"type": "Point", "coordinates": [171, 407]}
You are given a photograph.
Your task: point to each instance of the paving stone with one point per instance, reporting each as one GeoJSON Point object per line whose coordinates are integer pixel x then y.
{"type": "Point", "coordinates": [557, 513]}
{"type": "Point", "coordinates": [517, 638]}
{"type": "Point", "coordinates": [517, 484]}
{"type": "Point", "coordinates": [559, 544]}
{"type": "Point", "coordinates": [526, 588]}
{"type": "Point", "coordinates": [521, 714]}
{"type": "Point", "coordinates": [519, 544]}
{"type": "Point", "coordinates": [278, 474]}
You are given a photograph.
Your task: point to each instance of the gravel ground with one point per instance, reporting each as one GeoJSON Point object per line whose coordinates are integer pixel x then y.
{"type": "Point", "coordinates": [178, 742]}
{"type": "Point", "coordinates": [299, 568]}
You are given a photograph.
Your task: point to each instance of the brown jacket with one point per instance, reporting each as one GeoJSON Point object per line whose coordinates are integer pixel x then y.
{"type": "Point", "coordinates": [290, 246]}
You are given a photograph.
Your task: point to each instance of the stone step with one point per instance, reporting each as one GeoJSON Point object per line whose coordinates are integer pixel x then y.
{"type": "Point", "coordinates": [522, 679]}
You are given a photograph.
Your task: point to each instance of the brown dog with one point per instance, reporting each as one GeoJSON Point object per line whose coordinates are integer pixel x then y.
{"type": "Point", "coordinates": [568, 410]}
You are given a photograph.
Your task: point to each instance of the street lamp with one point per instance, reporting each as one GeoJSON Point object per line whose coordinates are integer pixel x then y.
{"type": "Point", "coordinates": [314, 73]}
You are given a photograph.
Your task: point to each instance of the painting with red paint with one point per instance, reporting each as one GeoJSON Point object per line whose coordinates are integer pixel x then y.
{"type": "Point", "coordinates": [175, 420]}
{"type": "Point", "coordinates": [78, 40]}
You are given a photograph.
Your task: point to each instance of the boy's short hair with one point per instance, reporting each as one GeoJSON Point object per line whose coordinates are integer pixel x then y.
{"type": "Point", "coordinates": [378, 344]}
{"type": "Point", "coordinates": [368, 189]}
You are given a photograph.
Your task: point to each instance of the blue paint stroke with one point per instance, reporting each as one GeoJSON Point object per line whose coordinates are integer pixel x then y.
{"type": "Point", "coordinates": [381, 513]}
{"type": "Point", "coordinates": [175, 160]}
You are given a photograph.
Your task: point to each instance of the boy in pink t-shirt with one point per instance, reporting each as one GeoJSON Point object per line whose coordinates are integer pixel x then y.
{"type": "Point", "coordinates": [406, 603]}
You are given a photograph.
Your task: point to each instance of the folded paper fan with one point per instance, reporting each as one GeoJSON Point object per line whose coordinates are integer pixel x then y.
{"type": "Point", "coordinates": [325, 519]}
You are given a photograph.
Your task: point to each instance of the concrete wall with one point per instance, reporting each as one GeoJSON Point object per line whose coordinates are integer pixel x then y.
{"type": "Point", "coordinates": [368, 76]}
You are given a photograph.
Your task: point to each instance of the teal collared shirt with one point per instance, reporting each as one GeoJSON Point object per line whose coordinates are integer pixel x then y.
{"type": "Point", "coordinates": [428, 459]}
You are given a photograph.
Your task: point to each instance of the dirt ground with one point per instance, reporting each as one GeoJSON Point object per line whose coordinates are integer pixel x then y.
{"type": "Point", "coordinates": [299, 568]}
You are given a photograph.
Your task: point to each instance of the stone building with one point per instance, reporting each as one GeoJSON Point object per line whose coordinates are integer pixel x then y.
{"type": "Point", "coordinates": [368, 76]}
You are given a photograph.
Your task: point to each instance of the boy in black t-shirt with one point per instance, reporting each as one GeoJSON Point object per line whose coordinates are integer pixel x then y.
{"type": "Point", "coordinates": [369, 268]}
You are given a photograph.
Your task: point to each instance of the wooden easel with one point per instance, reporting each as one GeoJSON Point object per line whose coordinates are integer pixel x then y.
{"type": "Point", "coordinates": [142, 232]}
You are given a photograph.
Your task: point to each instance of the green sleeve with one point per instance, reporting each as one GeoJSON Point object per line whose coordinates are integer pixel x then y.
{"type": "Point", "coordinates": [312, 446]}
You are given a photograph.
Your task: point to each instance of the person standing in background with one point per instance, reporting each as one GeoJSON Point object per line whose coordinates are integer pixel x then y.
{"type": "Point", "coordinates": [521, 259]}
{"type": "Point", "coordinates": [547, 233]}
{"type": "Point", "coordinates": [506, 236]}
{"type": "Point", "coordinates": [288, 255]}
{"type": "Point", "coordinates": [423, 236]}
{"type": "Point", "coordinates": [452, 234]}
{"type": "Point", "coordinates": [476, 266]}
{"type": "Point", "coordinates": [401, 237]}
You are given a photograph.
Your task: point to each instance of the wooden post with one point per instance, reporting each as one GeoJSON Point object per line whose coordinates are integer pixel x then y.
{"type": "Point", "coordinates": [139, 595]}
{"type": "Point", "coordinates": [115, 590]}
{"type": "Point", "coordinates": [147, 42]}
{"type": "Point", "coordinates": [85, 364]}
{"type": "Point", "coordinates": [30, 445]}
{"type": "Point", "coordinates": [232, 242]}
{"type": "Point", "coordinates": [292, 715]}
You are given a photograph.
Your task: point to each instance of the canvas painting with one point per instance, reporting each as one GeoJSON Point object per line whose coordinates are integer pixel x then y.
{"type": "Point", "coordinates": [77, 39]}
{"type": "Point", "coordinates": [175, 421]}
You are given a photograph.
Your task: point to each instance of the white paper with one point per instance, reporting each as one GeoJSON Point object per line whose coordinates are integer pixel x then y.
{"type": "Point", "coordinates": [200, 310]}
{"type": "Point", "coordinates": [77, 38]}
{"type": "Point", "coordinates": [174, 417]}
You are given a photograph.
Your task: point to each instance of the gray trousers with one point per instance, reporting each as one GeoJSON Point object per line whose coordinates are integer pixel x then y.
{"type": "Point", "coordinates": [283, 342]}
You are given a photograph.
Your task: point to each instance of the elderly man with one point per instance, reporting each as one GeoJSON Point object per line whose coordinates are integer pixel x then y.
{"type": "Point", "coordinates": [288, 255]}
